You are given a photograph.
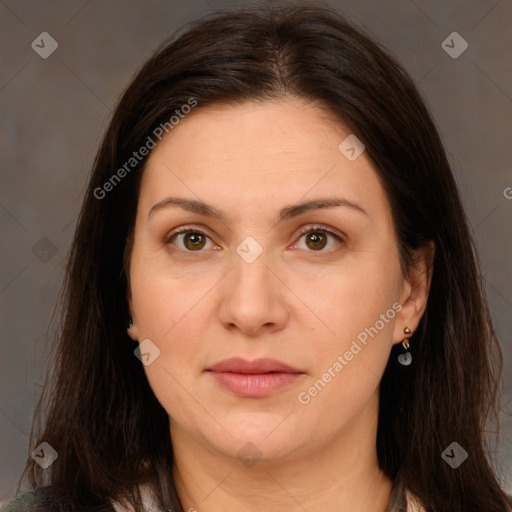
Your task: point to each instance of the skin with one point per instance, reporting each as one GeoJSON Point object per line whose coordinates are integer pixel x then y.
{"type": "Point", "coordinates": [295, 303]}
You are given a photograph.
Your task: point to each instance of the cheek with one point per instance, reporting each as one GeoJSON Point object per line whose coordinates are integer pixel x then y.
{"type": "Point", "coordinates": [165, 296]}
{"type": "Point", "coordinates": [351, 297]}
{"type": "Point", "coordinates": [349, 362]}
{"type": "Point", "coordinates": [173, 317]}
{"type": "Point", "coordinates": [170, 312]}
{"type": "Point", "coordinates": [173, 321]}
{"type": "Point", "coordinates": [352, 344]}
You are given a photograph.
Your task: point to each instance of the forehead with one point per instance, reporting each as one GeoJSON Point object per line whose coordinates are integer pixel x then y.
{"type": "Point", "coordinates": [257, 152]}
{"type": "Point", "coordinates": [288, 126]}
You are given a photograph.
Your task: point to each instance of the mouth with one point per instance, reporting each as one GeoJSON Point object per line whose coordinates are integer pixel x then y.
{"type": "Point", "coordinates": [258, 366]}
{"type": "Point", "coordinates": [254, 379]}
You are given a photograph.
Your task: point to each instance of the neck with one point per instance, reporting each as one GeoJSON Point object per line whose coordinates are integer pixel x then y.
{"type": "Point", "coordinates": [340, 475]}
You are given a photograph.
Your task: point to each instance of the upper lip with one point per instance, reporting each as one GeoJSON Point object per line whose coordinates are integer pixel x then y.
{"type": "Point", "coordinates": [262, 365]}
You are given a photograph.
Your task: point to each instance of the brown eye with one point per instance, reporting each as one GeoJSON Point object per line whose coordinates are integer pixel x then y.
{"type": "Point", "coordinates": [194, 241]}
{"type": "Point", "coordinates": [316, 240]}
{"type": "Point", "coordinates": [188, 240]}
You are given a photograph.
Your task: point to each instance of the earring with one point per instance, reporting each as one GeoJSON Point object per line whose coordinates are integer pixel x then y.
{"type": "Point", "coordinates": [130, 324]}
{"type": "Point", "coordinates": [405, 359]}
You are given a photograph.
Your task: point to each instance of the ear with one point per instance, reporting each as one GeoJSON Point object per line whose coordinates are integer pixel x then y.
{"type": "Point", "coordinates": [132, 331]}
{"type": "Point", "coordinates": [415, 290]}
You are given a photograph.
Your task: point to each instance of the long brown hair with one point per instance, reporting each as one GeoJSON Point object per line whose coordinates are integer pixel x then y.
{"type": "Point", "coordinates": [98, 410]}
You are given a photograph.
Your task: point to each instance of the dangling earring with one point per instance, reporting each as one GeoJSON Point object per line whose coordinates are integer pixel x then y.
{"type": "Point", "coordinates": [130, 324]}
{"type": "Point", "coordinates": [405, 359]}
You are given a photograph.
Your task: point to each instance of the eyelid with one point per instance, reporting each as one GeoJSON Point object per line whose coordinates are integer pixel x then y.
{"type": "Point", "coordinates": [321, 227]}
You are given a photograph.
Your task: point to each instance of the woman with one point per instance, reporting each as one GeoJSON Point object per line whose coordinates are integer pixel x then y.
{"type": "Point", "coordinates": [272, 298]}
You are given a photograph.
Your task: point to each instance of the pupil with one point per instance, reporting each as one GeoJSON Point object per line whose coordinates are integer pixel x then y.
{"type": "Point", "coordinates": [195, 239]}
{"type": "Point", "coordinates": [318, 240]}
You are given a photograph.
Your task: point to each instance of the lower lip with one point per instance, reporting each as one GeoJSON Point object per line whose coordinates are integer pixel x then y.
{"type": "Point", "coordinates": [255, 385]}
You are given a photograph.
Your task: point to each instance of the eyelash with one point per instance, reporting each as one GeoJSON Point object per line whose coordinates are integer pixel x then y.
{"type": "Point", "coordinates": [307, 229]}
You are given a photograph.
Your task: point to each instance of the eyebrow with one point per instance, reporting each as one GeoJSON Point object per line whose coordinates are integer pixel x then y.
{"type": "Point", "coordinates": [288, 212]}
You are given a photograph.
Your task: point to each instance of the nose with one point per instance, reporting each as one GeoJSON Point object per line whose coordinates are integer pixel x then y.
{"type": "Point", "coordinates": [253, 298]}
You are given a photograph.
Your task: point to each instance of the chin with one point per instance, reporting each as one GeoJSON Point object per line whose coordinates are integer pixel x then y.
{"type": "Point", "coordinates": [260, 442]}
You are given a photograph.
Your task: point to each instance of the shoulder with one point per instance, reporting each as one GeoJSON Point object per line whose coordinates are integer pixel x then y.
{"type": "Point", "coordinates": [27, 501]}
{"type": "Point", "coordinates": [39, 500]}
{"type": "Point", "coordinates": [414, 505]}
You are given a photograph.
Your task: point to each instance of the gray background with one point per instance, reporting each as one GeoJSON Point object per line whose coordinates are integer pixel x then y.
{"type": "Point", "coordinates": [54, 111]}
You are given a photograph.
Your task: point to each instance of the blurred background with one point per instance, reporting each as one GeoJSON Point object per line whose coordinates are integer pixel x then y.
{"type": "Point", "coordinates": [64, 64]}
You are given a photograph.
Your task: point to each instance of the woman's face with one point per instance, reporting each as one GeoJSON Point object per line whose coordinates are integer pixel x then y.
{"type": "Point", "coordinates": [260, 279]}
